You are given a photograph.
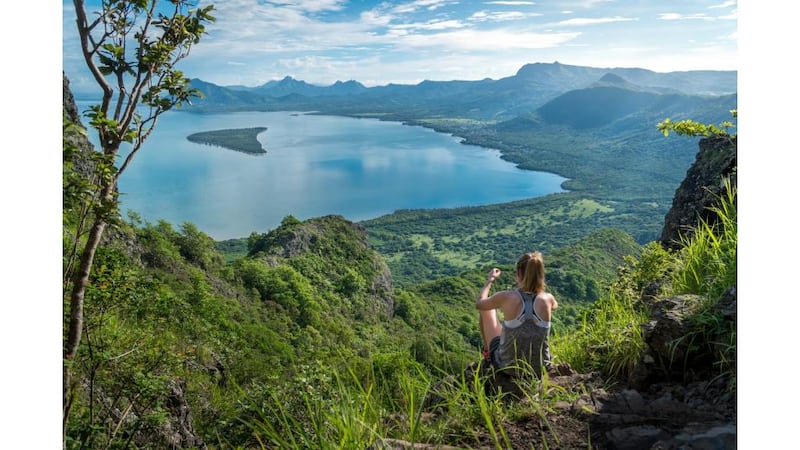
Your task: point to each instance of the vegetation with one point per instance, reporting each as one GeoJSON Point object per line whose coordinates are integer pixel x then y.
{"type": "Point", "coordinates": [291, 351]}
{"type": "Point", "coordinates": [297, 337]}
{"type": "Point", "coordinates": [689, 127]}
{"type": "Point", "coordinates": [241, 140]}
{"type": "Point", "coordinates": [423, 244]}
{"type": "Point", "coordinates": [130, 49]}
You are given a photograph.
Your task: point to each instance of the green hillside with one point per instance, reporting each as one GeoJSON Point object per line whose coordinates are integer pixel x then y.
{"type": "Point", "coordinates": [311, 298]}
{"type": "Point", "coordinates": [308, 316]}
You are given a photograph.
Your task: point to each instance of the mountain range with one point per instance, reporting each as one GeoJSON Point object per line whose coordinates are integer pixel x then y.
{"type": "Point", "coordinates": [532, 87]}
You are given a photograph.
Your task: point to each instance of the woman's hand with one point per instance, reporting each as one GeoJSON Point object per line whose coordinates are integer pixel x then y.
{"type": "Point", "coordinates": [493, 275]}
{"type": "Point", "coordinates": [484, 295]}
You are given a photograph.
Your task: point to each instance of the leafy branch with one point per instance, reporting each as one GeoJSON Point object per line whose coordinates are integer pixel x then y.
{"type": "Point", "coordinates": [689, 127]}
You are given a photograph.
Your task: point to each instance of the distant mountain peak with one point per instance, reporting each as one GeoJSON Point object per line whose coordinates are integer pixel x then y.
{"type": "Point", "coordinates": [352, 83]}
{"type": "Point", "coordinates": [613, 79]}
{"type": "Point", "coordinates": [291, 79]}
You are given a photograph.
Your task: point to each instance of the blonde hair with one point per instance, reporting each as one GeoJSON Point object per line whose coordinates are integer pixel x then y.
{"type": "Point", "coordinates": [530, 269]}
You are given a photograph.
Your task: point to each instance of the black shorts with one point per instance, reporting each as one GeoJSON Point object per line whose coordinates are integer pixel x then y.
{"type": "Point", "coordinates": [494, 352]}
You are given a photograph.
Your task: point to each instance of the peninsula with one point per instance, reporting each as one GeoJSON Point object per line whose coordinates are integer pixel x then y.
{"type": "Point", "coordinates": [240, 139]}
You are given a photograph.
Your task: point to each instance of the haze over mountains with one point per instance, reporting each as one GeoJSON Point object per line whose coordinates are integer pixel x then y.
{"type": "Point", "coordinates": [531, 88]}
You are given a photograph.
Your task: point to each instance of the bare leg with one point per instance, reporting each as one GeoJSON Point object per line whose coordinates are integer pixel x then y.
{"type": "Point", "coordinates": [489, 325]}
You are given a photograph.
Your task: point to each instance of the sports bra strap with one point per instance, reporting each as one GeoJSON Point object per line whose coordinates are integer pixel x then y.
{"type": "Point", "coordinates": [527, 305]}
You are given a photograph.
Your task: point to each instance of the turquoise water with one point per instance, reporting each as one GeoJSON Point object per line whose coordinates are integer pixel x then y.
{"type": "Point", "coordinates": [314, 166]}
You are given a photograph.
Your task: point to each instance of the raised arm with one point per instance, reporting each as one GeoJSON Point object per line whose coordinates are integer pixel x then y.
{"type": "Point", "coordinates": [485, 302]}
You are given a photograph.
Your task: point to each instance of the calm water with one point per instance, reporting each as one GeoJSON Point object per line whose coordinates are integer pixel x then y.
{"type": "Point", "coordinates": [314, 166]}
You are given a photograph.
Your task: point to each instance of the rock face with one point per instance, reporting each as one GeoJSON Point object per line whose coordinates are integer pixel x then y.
{"type": "Point", "coordinates": [179, 431]}
{"type": "Point", "coordinates": [70, 109]}
{"type": "Point", "coordinates": [80, 159]}
{"type": "Point", "coordinates": [700, 189]}
{"type": "Point", "coordinates": [676, 398]}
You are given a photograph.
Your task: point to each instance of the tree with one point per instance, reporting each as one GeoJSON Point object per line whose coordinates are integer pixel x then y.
{"type": "Point", "coordinates": [131, 49]}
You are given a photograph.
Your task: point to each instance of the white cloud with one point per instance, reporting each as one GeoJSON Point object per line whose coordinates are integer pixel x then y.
{"type": "Point", "coordinates": [724, 5]}
{"type": "Point", "coordinates": [734, 15]}
{"type": "Point", "coordinates": [677, 16]}
{"type": "Point", "coordinates": [244, 27]}
{"type": "Point", "coordinates": [592, 21]}
{"type": "Point", "coordinates": [487, 40]}
{"type": "Point", "coordinates": [430, 25]}
{"type": "Point", "coordinates": [511, 3]}
{"type": "Point", "coordinates": [313, 5]}
{"type": "Point", "coordinates": [376, 18]}
{"type": "Point", "coordinates": [588, 4]}
{"type": "Point", "coordinates": [430, 5]}
{"type": "Point", "coordinates": [500, 16]}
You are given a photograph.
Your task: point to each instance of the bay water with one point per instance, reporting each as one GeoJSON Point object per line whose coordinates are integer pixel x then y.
{"type": "Point", "coordinates": [314, 166]}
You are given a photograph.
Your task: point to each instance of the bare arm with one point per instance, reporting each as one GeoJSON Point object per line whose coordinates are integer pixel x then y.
{"type": "Point", "coordinates": [486, 302]}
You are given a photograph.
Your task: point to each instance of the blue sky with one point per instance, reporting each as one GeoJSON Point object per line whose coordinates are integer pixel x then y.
{"type": "Point", "coordinates": [378, 42]}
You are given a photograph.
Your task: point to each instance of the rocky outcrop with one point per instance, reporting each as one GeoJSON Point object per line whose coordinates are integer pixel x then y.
{"type": "Point", "coordinates": [675, 351]}
{"type": "Point", "coordinates": [80, 159]}
{"type": "Point", "coordinates": [381, 288]}
{"type": "Point", "coordinates": [701, 188]}
{"type": "Point", "coordinates": [178, 430]}
{"type": "Point", "coordinates": [676, 397]}
{"type": "Point", "coordinates": [666, 416]}
{"type": "Point", "coordinates": [70, 108]}
{"type": "Point", "coordinates": [338, 240]}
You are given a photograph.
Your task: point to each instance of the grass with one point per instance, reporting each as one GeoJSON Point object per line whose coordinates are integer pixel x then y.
{"type": "Point", "coordinates": [410, 409]}
{"type": "Point", "coordinates": [414, 407]}
{"type": "Point", "coordinates": [349, 419]}
{"type": "Point", "coordinates": [611, 338]}
{"type": "Point", "coordinates": [706, 266]}
{"type": "Point", "coordinates": [707, 260]}
{"type": "Point", "coordinates": [588, 207]}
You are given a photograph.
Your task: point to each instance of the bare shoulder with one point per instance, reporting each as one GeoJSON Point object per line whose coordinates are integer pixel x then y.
{"type": "Point", "coordinates": [507, 296]}
{"type": "Point", "coordinates": [549, 299]}
{"type": "Point", "coordinates": [500, 299]}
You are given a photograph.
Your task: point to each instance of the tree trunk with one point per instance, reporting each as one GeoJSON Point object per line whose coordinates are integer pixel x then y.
{"type": "Point", "coordinates": [79, 283]}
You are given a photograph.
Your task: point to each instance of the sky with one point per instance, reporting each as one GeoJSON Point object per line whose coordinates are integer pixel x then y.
{"type": "Point", "coordinates": [405, 42]}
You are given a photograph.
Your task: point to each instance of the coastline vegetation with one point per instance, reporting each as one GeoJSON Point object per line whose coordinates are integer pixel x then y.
{"type": "Point", "coordinates": [243, 140]}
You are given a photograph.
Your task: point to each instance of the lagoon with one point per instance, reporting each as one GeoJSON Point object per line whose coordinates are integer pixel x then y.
{"type": "Point", "coordinates": [314, 166]}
